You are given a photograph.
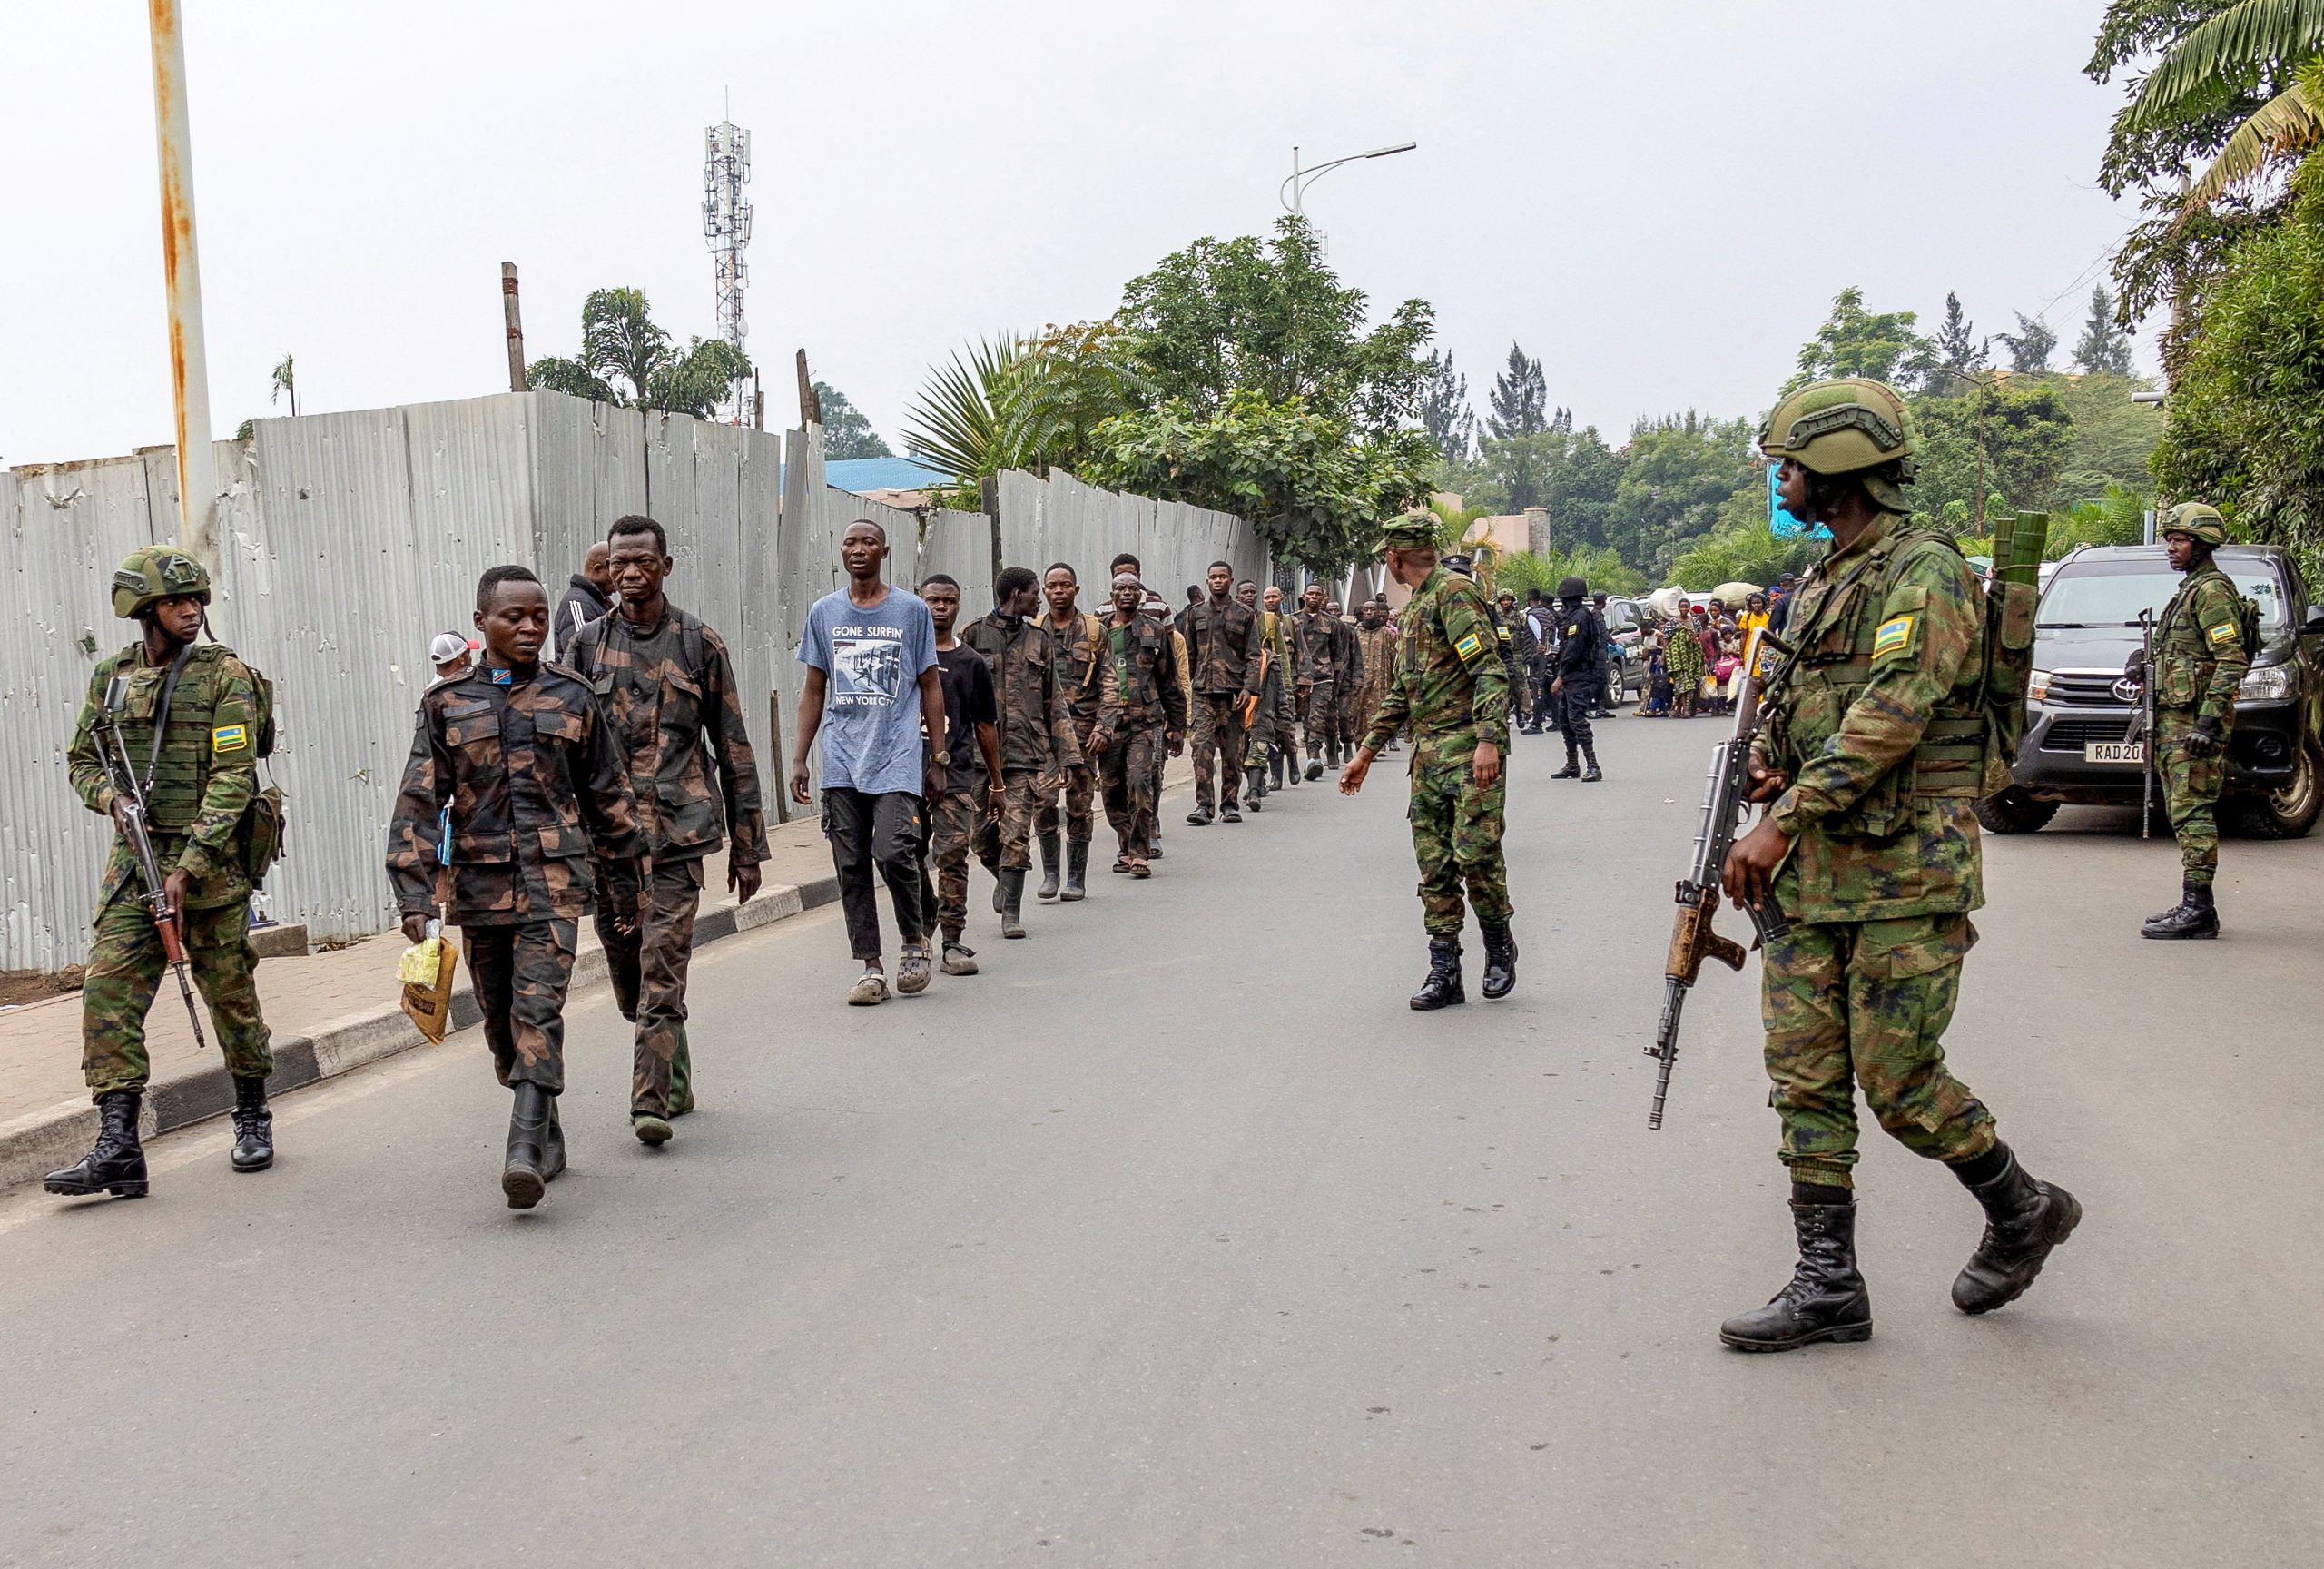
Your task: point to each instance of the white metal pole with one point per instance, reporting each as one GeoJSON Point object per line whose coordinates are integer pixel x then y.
{"type": "Point", "coordinates": [189, 364]}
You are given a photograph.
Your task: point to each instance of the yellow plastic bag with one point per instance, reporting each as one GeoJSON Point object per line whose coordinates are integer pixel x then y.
{"type": "Point", "coordinates": [425, 972]}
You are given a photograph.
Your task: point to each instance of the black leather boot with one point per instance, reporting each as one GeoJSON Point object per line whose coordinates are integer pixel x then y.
{"type": "Point", "coordinates": [1012, 902]}
{"type": "Point", "coordinates": [115, 1164]}
{"type": "Point", "coordinates": [1076, 871]}
{"type": "Point", "coordinates": [2024, 1221]}
{"type": "Point", "coordinates": [1826, 1300]}
{"type": "Point", "coordinates": [1049, 867]}
{"type": "Point", "coordinates": [253, 1126]}
{"type": "Point", "coordinates": [1591, 775]}
{"type": "Point", "coordinates": [1442, 987]}
{"type": "Point", "coordinates": [1572, 769]}
{"type": "Point", "coordinates": [1501, 961]}
{"type": "Point", "coordinates": [2197, 916]}
{"type": "Point", "coordinates": [520, 1170]}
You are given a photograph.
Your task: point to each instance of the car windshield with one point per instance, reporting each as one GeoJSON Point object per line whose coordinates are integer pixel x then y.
{"type": "Point", "coordinates": [2112, 593]}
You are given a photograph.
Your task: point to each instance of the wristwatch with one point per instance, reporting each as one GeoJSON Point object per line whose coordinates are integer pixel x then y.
{"type": "Point", "coordinates": [943, 759]}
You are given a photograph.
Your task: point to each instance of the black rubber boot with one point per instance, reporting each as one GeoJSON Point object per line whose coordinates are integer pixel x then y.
{"type": "Point", "coordinates": [1012, 902]}
{"type": "Point", "coordinates": [1275, 767]}
{"type": "Point", "coordinates": [1826, 1300]}
{"type": "Point", "coordinates": [1254, 788]}
{"type": "Point", "coordinates": [2025, 1220]}
{"type": "Point", "coordinates": [253, 1126]}
{"type": "Point", "coordinates": [2197, 916]}
{"type": "Point", "coordinates": [994, 868]}
{"type": "Point", "coordinates": [1314, 766]}
{"type": "Point", "coordinates": [1442, 988]}
{"type": "Point", "coordinates": [1049, 867]}
{"type": "Point", "coordinates": [1572, 769]}
{"type": "Point", "coordinates": [553, 1145]}
{"type": "Point", "coordinates": [1229, 812]}
{"type": "Point", "coordinates": [520, 1170]}
{"type": "Point", "coordinates": [115, 1163]}
{"type": "Point", "coordinates": [1591, 775]}
{"type": "Point", "coordinates": [1076, 871]}
{"type": "Point", "coordinates": [1199, 817]}
{"type": "Point", "coordinates": [1501, 961]}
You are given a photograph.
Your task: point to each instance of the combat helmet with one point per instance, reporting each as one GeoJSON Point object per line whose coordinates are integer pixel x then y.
{"type": "Point", "coordinates": [2197, 522]}
{"type": "Point", "coordinates": [1851, 425]}
{"type": "Point", "coordinates": [153, 573]}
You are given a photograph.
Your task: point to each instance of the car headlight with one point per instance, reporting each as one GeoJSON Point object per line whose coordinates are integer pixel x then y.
{"type": "Point", "coordinates": [2038, 689]}
{"type": "Point", "coordinates": [2269, 684]}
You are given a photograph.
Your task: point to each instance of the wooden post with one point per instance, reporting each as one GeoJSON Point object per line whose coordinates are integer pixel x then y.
{"type": "Point", "coordinates": [515, 326]}
{"type": "Point", "coordinates": [758, 401]}
{"type": "Point", "coordinates": [989, 489]}
{"type": "Point", "coordinates": [810, 408]}
{"type": "Point", "coordinates": [781, 771]}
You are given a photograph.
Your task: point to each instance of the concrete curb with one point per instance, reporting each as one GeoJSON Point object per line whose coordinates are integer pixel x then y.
{"type": "Point", "coordinates": [40, 1143]}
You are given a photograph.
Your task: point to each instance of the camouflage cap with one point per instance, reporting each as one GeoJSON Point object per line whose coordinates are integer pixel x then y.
{"type": "Point", "coordinates": [1409, 531]}
{"type": "Point", "coordinates": [2197, 522]}
{"type": "Point", "coordinates": [153, 573]}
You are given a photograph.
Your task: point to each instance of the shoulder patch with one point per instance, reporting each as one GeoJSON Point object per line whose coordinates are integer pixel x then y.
{"type": "Point", "coordinates": [230, 738]}
{"type": "Point", "coordinates": [2223, 633]}
{"type": "Point", "coordinates": [1467, 646]}
{"type": "Point", "coordinates": [1894, 634]}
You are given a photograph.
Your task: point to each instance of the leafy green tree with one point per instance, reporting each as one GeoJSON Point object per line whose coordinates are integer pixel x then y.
{"type": "Point", "coordinates": [1743, 552]}
{"type": "Point", "coordinates": [1676, 474]}
{"type": "Point", "coordinates": [1520, 399]}
{"type": "Point", "coordinates": [2112, 441]}
{"type": "Point", "coordinates": [1856, 341]}
{"type": "Point", "coordinates": [1064, 385]}
{"type": "Point", "coordinates": [1600, 568]}
{"type": "Point", "coordinates": [2010, 436]}
{"type": "Point", "coordinates": [1444, 411]}
{"type": "Point", "coordinates": [2105, 348]}
{"type": "Point", "coordinates": [1959, 352]}
{"type": "Point", "coordinates": [2031, 346]}
{"type": "Point", "coordinates": [846, 432]}
{"type": "Point", "coordinates": [620, 343]}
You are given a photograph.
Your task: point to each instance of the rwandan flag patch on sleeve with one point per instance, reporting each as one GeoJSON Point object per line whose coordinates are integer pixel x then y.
{"type": "Point", "coordinates": [2223, 633]}
{"type": "Point", "coordinates": [230, 738]}
{"type": "Point", "coordinates": [1895, 635]}
{"type": "Point", "coordinates": [1469, 647]}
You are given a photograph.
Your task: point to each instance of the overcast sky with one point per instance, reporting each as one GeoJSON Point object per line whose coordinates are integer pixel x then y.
{"type": "Point", "coordinates": [1656, 197]}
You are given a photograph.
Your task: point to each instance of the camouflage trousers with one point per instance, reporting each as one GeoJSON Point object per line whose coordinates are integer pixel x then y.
{"type": "Point", "coordinates": [1260, 736]}
{"type": "Point", "coordinates": [520, 975]}
{"type": "Point", "coordinates": [1536, 690]}
{"type": "Point", "coordinates": [1866, 1004]}
{"type": "Point", "coordinates": [1456, 835]}
{"type": "Point", "coordinates": [1521, 698]}
{"type": "Point", "coordinates": [1128, 771]}
{"type": "Point", "coordinates": [1319, 724]}
{"type": "Point", "coordinates": [1080, 790]}
{"type": "Point", "coordinates": [2190, 791]}
{"type": "Point", "coordinates": [1004, 835]}
{"type": "Point", "coordinates": [952, 825]}
{"type": "Point", "coordinates": [1219, 741]}
{"type": "Point", "coordinates": [648, 970]}
{"type": "Point", "coordinates": [125, 970]}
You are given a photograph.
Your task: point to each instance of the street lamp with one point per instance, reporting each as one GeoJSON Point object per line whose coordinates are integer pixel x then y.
{"type": "Point", "coordinates": [1292, 190]}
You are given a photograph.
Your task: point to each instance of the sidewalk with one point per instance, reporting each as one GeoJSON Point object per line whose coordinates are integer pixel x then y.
{"type": "Point", "coordinates": [328, 1013]}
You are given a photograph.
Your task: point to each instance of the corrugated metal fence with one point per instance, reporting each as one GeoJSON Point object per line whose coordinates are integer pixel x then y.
{"type": "Point", "coordinates": [346, 540]}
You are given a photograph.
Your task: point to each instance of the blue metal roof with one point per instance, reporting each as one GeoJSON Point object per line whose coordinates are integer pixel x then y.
{"type": "Point", "coordinates": [860, 474]}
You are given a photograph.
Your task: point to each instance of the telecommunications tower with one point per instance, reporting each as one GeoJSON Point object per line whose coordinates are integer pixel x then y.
{"type": "Point", "coordinates": [726, 224]}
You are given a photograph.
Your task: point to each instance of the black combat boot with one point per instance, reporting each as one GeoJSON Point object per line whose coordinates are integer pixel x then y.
{"type": "Point", "coordinates": [1314, 766]}
{"type": "Point", "coordinates": [1442, 987]}
{"type": "Point", "coordinates": [1049, 867]}
{"type": "Point", "coordinates": [994, 867]}
{"type": "Point", "coordinates": [1572, 769]}
{"type": "Point", "coordinates": [1012, 902]}
{"type": "Point", "coordinates": [553, 1145]}
{"type": "Point", "coordinates": [1254, 788]}
{"type": "Point", "coordinates": [2024, 1221]}
{"type": "Point", "coordinates": [1826, 1300]}
{"type": "Point", "coordinates": [521, 1175]}
{"type": "Point", "coordinates": [1076, 871]}
{"type": "Point", "coordinates": [1199, 817]}
{"type": "Point", "coordinates": [253, 1126]}
{"type": "Point", "coordinates": [2196, 916]}
{"type": "Point", "coordinates": [1228, 812]}
{"type": "Point", "coordinates": [1275, 767]}
{"type": "Point", "coordinates": [1501, 961]}
{"type": "Point", "coordinates": [115, 1164]}
{"type": "Point", "coordinates": [1591, 775]}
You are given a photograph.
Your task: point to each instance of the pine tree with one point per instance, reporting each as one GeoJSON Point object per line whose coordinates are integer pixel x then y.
{"type": "Point", "coordinates": [1959, 350]}
{"type": "Point", "coordinates": [2105, 348]}
{"type": "Point", "coordinates": [2031, 346]}
{"type": "Point", "coordinates": [1520, 399]}
{"type": "Point", "coordinates": [1444, 411]}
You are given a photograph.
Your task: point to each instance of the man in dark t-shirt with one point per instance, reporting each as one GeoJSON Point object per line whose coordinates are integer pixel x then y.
{"type": "Point", "coordinates": [972, 716]}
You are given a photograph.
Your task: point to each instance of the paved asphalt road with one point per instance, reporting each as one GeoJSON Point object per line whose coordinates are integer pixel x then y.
{"type": "Point", "coordinates": [1174, 1239]}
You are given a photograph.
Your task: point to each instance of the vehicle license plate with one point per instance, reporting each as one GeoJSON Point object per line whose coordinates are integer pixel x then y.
{"type": "Point", "coordinates": [2113, 752]}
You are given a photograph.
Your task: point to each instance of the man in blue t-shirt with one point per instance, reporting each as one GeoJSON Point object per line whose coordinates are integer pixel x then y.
{"type": "Point", "coordinates": [870, 656]}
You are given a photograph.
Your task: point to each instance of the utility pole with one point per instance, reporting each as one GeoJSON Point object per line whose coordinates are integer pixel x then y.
{"type": "Point", "coordinates": [181, 270]}
{"type": "Point", "coordinates": [515, 326]}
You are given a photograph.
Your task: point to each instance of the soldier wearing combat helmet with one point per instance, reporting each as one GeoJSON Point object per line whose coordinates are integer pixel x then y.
{"type": "Point", "coordinates": [1872, 755]}
{"type": "Point", "coordinates": [191, 724]}
{"type": "Point", "coordinates": [2199, 662]}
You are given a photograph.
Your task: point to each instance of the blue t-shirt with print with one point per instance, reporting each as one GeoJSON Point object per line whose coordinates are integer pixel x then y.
{"type": "Point", "coordinates": [873, 658]}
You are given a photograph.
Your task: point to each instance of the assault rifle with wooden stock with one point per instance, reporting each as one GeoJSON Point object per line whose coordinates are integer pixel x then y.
{"type": "Point", "coordinates": [129, 811]}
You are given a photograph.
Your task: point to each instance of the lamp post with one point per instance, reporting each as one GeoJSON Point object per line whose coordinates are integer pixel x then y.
{"type": "Point", "coordinates": [189, 363]}
{"type": "Point", "coordinates": [1291, 192]}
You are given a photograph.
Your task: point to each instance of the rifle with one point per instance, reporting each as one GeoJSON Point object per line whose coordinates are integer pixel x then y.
{"type": "Point", "coordinates": [129, 811]}
{"type": "Point", "coordinates": [2148, 762]}
{"type": "Point", "coordinates": [1692, 938]}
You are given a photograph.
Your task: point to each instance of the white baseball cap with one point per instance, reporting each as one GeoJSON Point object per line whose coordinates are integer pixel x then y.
{"type": "Point", "coordinates": [447, 647]}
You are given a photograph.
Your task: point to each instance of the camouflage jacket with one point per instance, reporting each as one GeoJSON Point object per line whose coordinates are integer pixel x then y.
{"type": "Point", "coordinates": [201, 782]}
{"type": "Point", "coordinates": [1879, 731]}
{"type": "Point", "coordinates": [1449, 681]}
{"type": "Point", "coordinates": [668, 695]}
{"type": "Point", "coordinates": [2199, 657]}
{"type": "Point", "coordinates": [1376, 653]}
{"type": "Point", "coordinates": [533, 776]}
{"type": "Point", "coordinates": [1141, 678]}
{"type": "Point", "coordinates": [1223, 642]}
{"type": "Point", "coordinates": [1079, 664]}
{"type": "Point", "coordinates": [1035, 731]}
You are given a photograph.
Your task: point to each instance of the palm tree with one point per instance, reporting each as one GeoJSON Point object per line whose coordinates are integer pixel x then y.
{"type": "Point", "coordinates": [956, 424]}
{"type": "Point", "coordinates": [1064, 385]}
{"type": "Point", "coordinates": [2245, 40]}
{"type": "Point", "coordinates": [286, 383]}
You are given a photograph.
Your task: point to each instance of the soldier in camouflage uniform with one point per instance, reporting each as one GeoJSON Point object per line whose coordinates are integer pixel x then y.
{"type": "Point", "coordinates": [1037, 739]}
{"type": "Point", "coordinates": [1877, 745]}
{"type": "Point", "coordinates": [533, 781]}
{"type": "Point", "coordinates": [1453, 689]}
{"type": "Point", "coordinates": [191, 725]}
{"type": "Point", "coordinates": [666, 687]}
{"type": "Point", "coordinates": [2199, 663]}
{"type": "Point", "coordinates": [1223, 652]}
{"type": "Point", "coordinates": [1375, 647]}
{"type": "Point", "coordinates": [1075, 633]}
{"type": "Point", "coordinates": [1321, 655]}
{"type": "Point", "coordinates": [1145, 711]}
{"type": "Point", "coordinates": [1263, 747]}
